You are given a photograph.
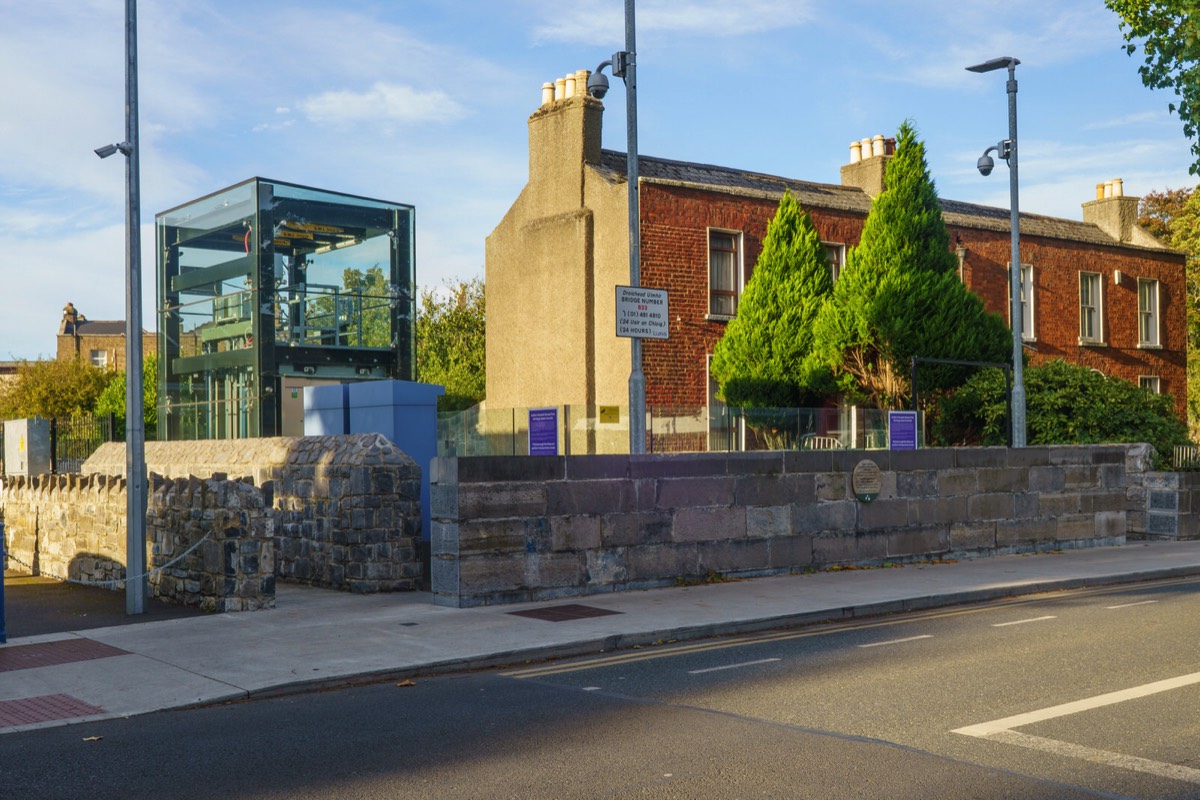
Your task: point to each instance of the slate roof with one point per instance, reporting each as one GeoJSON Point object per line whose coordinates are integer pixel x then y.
{"type": "Point", "coordinates": [844, 198]}
{"type": "Point", "coordinates": [97, 327]}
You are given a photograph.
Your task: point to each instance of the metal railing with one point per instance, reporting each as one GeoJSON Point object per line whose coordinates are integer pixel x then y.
{"type": "Point", "coordinates": [481, 431]}
{"type": "Point", "coordinates": [73, 440]}
{"type": "Point", "coordinates": [1186, 457]}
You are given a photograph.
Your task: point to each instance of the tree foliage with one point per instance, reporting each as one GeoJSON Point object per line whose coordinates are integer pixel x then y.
{"type": "Point", "coordinates": [1173, 215]}
{"type": "Point", "coordinates": [1065, 404]}
{"type": "Point", "coordinates": [760, 360]}
{"type": "Point", "coordinates": [53, 389]}
{"type": "Point", "coordinates": [112, 399]}
{"type": "Point", "coordinates": [1169, 34]}
{"type": "Point", "coordinates": [450, 342]}
{"type": "Point", "coordinates": [374, 289]}
{"type": "Point", "coordinates": [900, 296]}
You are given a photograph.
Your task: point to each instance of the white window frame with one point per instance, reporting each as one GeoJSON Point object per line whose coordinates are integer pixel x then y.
{"type": "Point", "coordinates": [1095, 307]}
{"type": "Point", "coordinates": [1151, 383]}
{"type": "Point", "coordinates": [99, 358]}
{"type": "Point", "coordinates": [1149, 320]}
{"type": "Point", "coordinates": [1028, 305]}
{"type": "Point", "coordinates": [837, 263]}
{"type": "Point", "coordinates": [739, 267]}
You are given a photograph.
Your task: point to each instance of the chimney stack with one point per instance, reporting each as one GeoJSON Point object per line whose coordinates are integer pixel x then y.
{"type": "Point", "coordinates": [868, 163]}
{"type": "Point", "coordinates": [1116, 214]}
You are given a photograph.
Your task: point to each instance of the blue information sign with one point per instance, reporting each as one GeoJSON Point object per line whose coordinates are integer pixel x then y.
{"type": "Point", "coordinates": [902, 430]}
{"type": "Point", "coordinates": [543, 431]}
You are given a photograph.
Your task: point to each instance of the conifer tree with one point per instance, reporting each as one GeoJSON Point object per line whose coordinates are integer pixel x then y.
{"type": "Point", "coordinates": [899, 294]}
{"type": "Point", "coordinates": [760, 361]}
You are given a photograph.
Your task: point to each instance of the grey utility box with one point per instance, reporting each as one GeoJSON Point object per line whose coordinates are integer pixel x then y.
{"type": "Point", "coordinates": [27, 446]}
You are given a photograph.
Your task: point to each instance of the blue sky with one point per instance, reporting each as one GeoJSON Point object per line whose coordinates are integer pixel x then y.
{"type": "Point", "coordinates": [426, 102]}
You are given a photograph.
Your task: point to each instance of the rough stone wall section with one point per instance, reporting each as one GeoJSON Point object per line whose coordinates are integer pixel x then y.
{"type": "Point", "coordinates": [73, 527]}
{"type": "Point", "coordinates": [347, 508]}
{"type": "Point", "coordinates": [1168, 502]}
{"type": "Point", "coordinates": [519, 529]}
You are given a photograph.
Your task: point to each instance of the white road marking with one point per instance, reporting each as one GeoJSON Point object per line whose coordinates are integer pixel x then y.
{"type": "Point", "coordinates": [1105, 757]}
{"type": "Point", "coordinates": [732, 666]}
{"type": "Point", "coordinates": [1131, 605]}
{"type": "Point", "coordinates": [591, 688]}
{"type": "Point", "coordinates": [1001, 730]}
{"type": "Point", "coordinates": [1021, 621]}
{"type": "Point", "coordinates": [897, 641]}
{"type": "Point", "coordinates": [1087, 704]}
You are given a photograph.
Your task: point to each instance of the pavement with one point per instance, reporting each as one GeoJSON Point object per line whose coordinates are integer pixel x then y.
{"type": "Point", "coordinates": [317, 638]}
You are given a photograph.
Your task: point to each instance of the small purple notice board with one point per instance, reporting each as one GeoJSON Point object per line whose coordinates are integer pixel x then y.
{"type": "Point", "coordinates": [543, 431]}
{"type": "Point", "coordinates": [902, 430]}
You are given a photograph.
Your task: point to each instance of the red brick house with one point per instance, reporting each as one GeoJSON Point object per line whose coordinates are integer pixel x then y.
{"type": "Point", "coordinates": [1100, 292]}
{"type": "Point", "coordinates": [101, 342]}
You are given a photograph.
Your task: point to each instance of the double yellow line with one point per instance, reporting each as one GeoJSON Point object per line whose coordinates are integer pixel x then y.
{"type": "Point", "coordinates": [671, 651]}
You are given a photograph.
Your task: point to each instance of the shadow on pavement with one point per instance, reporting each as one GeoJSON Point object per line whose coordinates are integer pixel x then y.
{"type": "Point", "coordinates": [34, 606]}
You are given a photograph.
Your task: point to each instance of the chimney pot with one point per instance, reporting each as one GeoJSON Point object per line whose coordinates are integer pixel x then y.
{"type": "Point", "coordinates": [855, 152]}
{"type": "Point", "coordinates": [560, 89]}
{"type": "Point", "coordinates": [877, 145]}
{"type": "Point", "coordinates": [569, 82]}
{"type": "Point", "coordinates": [1118, 187]}
{"type": "Point", "coordinates": [547, 93]}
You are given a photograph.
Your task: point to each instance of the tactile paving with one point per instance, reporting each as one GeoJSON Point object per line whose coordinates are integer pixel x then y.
{"type": "Point", "coordinates": [46, 654]}
{"type": "Point", "coordinates": [31, 710]}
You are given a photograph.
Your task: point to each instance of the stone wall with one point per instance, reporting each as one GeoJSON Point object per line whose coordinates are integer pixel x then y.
{"type": "Point", "coordinates": [348, 507]}
{"type": "Point", "coordinates": [518, 529]}
{"type": "Point", "coordinates": [73, 527]}
{"type": "Point", "coordinates": [1168, 508]}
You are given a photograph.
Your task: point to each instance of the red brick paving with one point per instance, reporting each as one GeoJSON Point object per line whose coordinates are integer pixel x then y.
{"type": "Point", "coordinates": [45, 654]}
{"type": "Point", "coordinates": [31, 710]}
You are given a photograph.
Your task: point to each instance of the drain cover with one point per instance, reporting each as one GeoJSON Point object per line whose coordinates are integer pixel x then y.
{"type": "Point", "coordinates": [564, 613]}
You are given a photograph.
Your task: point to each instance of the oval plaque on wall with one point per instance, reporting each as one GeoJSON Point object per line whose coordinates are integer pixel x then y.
{"type": "Point", "coordinates": [867, 480]}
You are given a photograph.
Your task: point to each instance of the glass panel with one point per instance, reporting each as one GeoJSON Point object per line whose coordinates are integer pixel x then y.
{"type": "Point", "coordinates": [258, 282]}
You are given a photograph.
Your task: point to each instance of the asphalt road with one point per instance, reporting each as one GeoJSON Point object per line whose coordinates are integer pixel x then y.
{"type": "Point", "coordinates": [890, 708]}
{"type": "Point", "coordinates": [1126, 660]}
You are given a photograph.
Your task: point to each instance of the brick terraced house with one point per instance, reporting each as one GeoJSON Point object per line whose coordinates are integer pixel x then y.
{"type": "Point", "coordinates": [1100, 292]}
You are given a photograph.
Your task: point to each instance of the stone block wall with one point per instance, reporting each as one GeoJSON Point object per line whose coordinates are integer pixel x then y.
{"type": "Point", "coordinates": [73, 527]}
{"type": "Point", "coordinates": [519, 529]}
{"type": "Point", "coordinates": [347, 508]}
{"type": "Point", "coordinates": [1168, 505]}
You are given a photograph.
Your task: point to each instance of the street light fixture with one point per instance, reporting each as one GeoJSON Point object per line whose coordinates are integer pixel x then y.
{"type": "Point", "coordinates": [623, 65]}
{"type": "Point", "coordinates": [135, 418]}
{"type": "Point", "coordinates": [1007, 150]}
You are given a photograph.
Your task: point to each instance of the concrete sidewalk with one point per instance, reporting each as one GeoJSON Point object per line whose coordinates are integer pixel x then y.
{"type": "Point", "coordinates": [318, 637]}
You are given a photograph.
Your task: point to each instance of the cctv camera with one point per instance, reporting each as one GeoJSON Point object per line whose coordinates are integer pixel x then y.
{"type": "Point", "coordinates": [597, 85]}
{"type": "Point", "coordinates": [985, 164]}
{"type": "Point", "coordinates": [107, 150]}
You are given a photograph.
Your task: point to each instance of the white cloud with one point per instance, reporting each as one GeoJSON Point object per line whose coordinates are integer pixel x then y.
{"type": "Point", "coordinates": [382, 102]}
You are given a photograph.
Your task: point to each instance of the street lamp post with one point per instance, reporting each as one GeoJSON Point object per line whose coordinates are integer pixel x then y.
{"type": "Point", "coordinates": [624, 66]}
{"type": "Point", "coordinates": [1007, 150]}
{"type": "Point", "coordinates": [135, 425]}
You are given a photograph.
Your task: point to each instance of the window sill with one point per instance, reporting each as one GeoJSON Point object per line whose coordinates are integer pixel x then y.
{"type": "Point", "coordinates": [1092, 343]}
{"type": "Point", "coordinates": [1148, 346]}
{"type": "Point", "coordinates": [719, 317]}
